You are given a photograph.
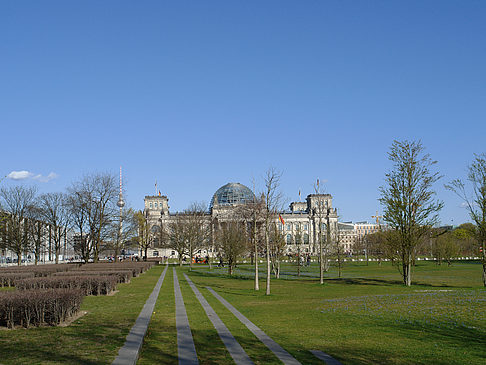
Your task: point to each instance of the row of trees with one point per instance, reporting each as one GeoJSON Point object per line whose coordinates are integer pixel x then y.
{"type": "Point", "coordinates": [88, 208]}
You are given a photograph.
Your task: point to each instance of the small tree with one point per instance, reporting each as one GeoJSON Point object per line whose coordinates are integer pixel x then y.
{"type": "Point", "coordinates": [143, 233]}
{"type": "Point", "coordinates": [298, 242]}
{"type": "Point", "coordinates": [197, 230]}
{"type": "Point", "coordinates": [37, 231]}
{"type": "Point", "coordinates": [408, 199]}
{"type": "Point", "coordinates": [272, 200]}
{"type": "Point", "coordinates": [475, 198]}
{"type": "Point", "coordinates": [54, 211]}
{"type": "Point", "coordinates": [230, 242]}
{"type": "Point", "coordinates": [174, 237]}
{"type": "Point", "coordinates": [121, 235]}
{"type": "Point", "coordinates": [277, 247]}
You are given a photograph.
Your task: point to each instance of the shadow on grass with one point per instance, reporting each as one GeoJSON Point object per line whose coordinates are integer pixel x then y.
{"type": "Point", "coordinates": [383, 282]}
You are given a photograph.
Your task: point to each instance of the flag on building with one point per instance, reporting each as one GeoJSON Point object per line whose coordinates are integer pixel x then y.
{"type": "Point", "coordinates": [281, 219]}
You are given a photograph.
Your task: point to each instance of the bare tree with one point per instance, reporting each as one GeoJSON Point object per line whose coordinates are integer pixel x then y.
{"type": "Point", "coordinates": [277, 246]}
{"type": "Point", "coordinates": [80, 205]}
{"type": "Point", "coordinates": [37, 231]}
{"type": "Point", "coordinates": [322, 212]}
{"type": "Point", "coordinates": [98, 194]}
{"type": "Point", "coordinates": [253, 213]}
{"type": "Point", "coordinates": [16, 202]}
{"type": "Point", "coordinates": [408, 199]}
{"type": "Point", "coordinates": [230, 241]}
{"type": "Point", "coordinates": [54, 212]}
{"type": "Point", "coordinates": [143, 233]}
{"type": "Point", "coordinates": [121, 235]}
{"type": "Point", "coordinates": [475, 198]}
{"type": "Point", "coordinates": [272, 198]}
{"type": "Point", "coordinates": [298, 241]}
{"type": "Point", "coordinates": [198, 230]}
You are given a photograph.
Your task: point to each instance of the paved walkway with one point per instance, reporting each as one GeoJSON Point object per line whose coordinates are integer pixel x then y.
{"type": "Point", "coordinates": [283, 355]}
{"type": "Point", "coordinates": [128, 354]}
{"type": "Point", "coordinates": [185, 344]}
{"type": "Point", "coordinates": [328, 359]}
{"type": "Point", "coordinates": [234, 348]}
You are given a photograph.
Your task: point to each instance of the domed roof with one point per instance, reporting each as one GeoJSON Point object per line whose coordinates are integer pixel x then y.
{"type": "Point", "coordinates": [230, 194]}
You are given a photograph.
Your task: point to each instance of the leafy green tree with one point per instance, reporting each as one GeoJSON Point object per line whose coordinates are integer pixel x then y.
{"type": "Point", "coordinates": [474, 196]}
{"type": "Point", "coordinates": [408, 200]}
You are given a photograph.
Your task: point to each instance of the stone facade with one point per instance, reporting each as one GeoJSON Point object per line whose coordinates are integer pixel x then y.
{"type": "Point", "coordinates": [302, 221]}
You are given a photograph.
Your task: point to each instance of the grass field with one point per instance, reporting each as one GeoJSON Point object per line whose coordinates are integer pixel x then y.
{"type": "Point", "coordinates": [365, 317]}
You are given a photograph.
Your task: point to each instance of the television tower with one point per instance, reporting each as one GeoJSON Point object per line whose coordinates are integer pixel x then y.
{"type": "Point", "coordinates": [121, 204]}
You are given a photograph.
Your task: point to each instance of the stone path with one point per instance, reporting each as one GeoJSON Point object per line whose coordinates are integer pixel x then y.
{"type": "Point", "coordinates": [128, 354]}
{"type": "Point", "coordinates": [185, 344]}
{"type": "Point", "coordinates": [283, 355]}
{"type": "Point", "coordinates": [328, 359]}
{"type": "Point", "coordinates": [234, 348]}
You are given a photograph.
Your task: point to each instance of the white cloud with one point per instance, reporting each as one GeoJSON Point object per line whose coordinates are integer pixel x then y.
{"type": "Point", "coordinates": [23, 175]}
{"type": "Point", "coordinates": [47, 178]}
{"type": "Point", "coordinates": [20, 175]}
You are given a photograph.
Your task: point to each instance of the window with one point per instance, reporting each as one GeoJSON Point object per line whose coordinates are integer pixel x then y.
{"type": "Point", "coordinates": [288, 226]}
{"type": "Point", "coordinates": [289, 239]}
{"type": "Point", "coordinates": [306, 238]}
{"type": "Point", "coordinates": [306, 226]}
{"type": "Point", "coordinates": [155, 205]}
{"type": "Point", "coordinates": [297, 225]}
{"type": "Point", "coordinates": [156, 253]}
{"type": "Point", "coordinates": [150, 205]}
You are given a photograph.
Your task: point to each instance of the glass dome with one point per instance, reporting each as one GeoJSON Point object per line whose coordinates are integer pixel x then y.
{"type": "Point", "coordinates": [230, 194]}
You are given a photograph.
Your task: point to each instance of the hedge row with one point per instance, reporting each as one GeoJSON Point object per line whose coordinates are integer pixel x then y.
{"type": "Point", "coordinates": [38, 307]}
{"type": "Point", "coordinates": [123, 276]}
{"type": "Point", "coordinates": [8, 279]}
{"type": "Point", "coordinates": [37, 270]}
{"type": "Point", "coordinates": [90, 285]}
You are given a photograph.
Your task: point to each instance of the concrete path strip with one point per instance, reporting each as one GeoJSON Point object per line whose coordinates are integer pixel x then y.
{"type": "Point", "coordinates": [185, 343]}
{"type": "Point", "coordinates": [328, 359]}
{"type": "Point", "coordinates": [283, 355]}
{"type": "Point", "coordinates": [128, 354]}
{"type": "Point", "coordinates": [234, 348]}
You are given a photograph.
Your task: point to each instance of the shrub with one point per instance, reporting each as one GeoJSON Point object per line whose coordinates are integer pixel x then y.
{"type": "Point", "coordinates": [38, 307]}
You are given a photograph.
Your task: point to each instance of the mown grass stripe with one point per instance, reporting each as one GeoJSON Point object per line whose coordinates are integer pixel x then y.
{"type": "Point", "coordinates": [186, 349]}
{"type": "Point", "coordinates": [234, 348]}
{"type": "Point", "coordinates": [128, 354]}
{"type": "Point", "coordinates": [283, 355]}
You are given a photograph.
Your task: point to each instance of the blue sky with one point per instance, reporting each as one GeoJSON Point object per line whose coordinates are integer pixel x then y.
{"type": "Point", "coordinates": [195, 94]}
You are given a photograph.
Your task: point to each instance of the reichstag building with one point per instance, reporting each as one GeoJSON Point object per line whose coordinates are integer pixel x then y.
{"type": "Point", "coordinates": [299, 224]}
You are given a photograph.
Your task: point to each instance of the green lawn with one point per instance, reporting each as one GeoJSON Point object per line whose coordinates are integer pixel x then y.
{"type": "Point", "coordinates": [365, 317]}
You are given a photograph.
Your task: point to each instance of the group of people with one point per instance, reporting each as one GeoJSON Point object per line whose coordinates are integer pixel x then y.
{"type": "Point", "coordinates": [304, 259]}
{"type": "Point", "coordinates": [200, 260]}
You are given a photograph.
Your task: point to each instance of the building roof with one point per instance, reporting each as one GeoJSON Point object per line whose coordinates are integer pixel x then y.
{"type": "Point", "coordinates": [231, 194]}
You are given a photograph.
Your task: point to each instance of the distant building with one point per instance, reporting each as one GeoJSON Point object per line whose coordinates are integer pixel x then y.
{"type": "Point", "coordinates": [301, 221]}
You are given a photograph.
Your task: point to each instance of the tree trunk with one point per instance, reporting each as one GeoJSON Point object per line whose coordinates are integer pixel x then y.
{"type": "Point", "coordinates": [257, 286]}
{"type": "Point", "coordinates": [484, 263]}
{"type": "Point", "coordinates": [267, 244]}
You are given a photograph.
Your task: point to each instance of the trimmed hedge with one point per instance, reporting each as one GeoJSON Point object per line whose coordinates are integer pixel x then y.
{"type": "Point", "coordinates": [37, 270]}
{"type": "Point", "coordinates": [90, 285]}
{"type": "Point", "coordinates": [38, 307]}
{"type": "Point", "coordinates": [123, 276]}
{"type": "Point", "coordinates": [8, 279]}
